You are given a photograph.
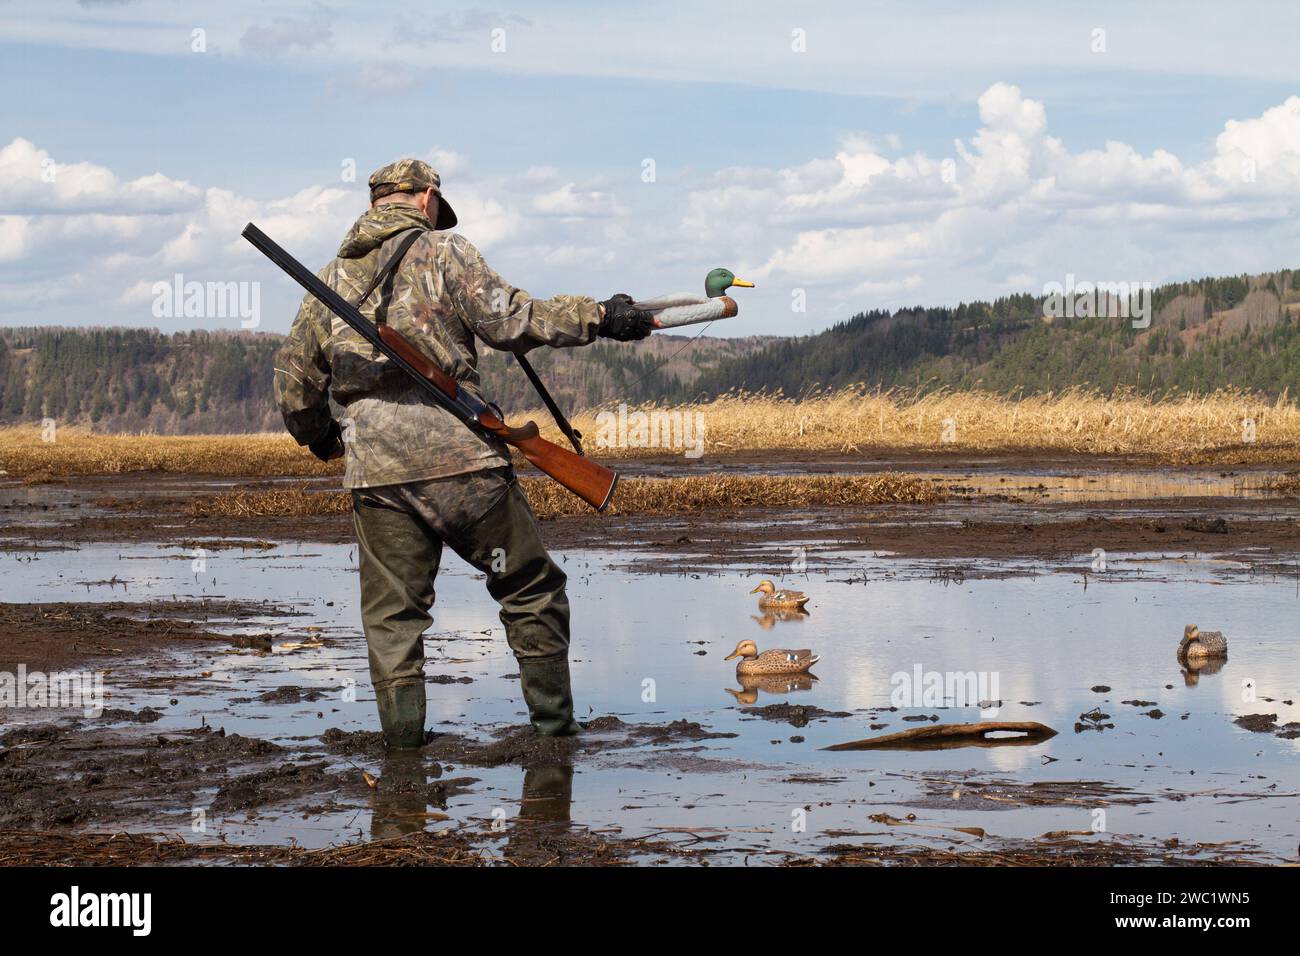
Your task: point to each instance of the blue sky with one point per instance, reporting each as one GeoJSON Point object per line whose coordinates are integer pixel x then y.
{"type": "Point", "coordinates": [1172, 151]}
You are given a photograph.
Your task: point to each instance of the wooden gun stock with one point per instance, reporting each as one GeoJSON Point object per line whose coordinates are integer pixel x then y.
{"type": "Point", "coordinates": [592, 482]}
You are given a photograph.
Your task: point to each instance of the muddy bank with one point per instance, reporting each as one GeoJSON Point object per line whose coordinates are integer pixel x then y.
{"type": "Point", "coordinates": [1267, 536]}
{"type": "Point", "coordinates": [711, 773]}
{"type": "Point", "coordinates": [519, 745]}
{"type": "Point", "coordinates": [548, 844]}
{"type": "Point", "coordinates": [49, 636]}
{"type": "Point", "coordinates": [79, 773]}
{"type": "Point", "coordinates": [72, 793]}
{"type": "Point", "coordinates": [1263, 532]}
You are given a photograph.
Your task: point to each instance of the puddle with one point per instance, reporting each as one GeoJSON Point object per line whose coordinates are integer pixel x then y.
{"type": "Point", "coordinates": [649, 648]}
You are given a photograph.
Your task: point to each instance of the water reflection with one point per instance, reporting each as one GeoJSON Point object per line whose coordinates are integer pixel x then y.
{"type": "Point", "coordinates": [548, 794]}
{"type": "Point", "coordinates": [402, 796]}
{"type": "Point", "coordinates": [1030, 630]}
{"type": "Point", "coordinates": [776, 684]}
{"type": "Point", "coordinates": [544, 812]}
{"type": "Point", "coordinates": [772, 616]}
{"type": "Point", "coordinates": [1192, 670]}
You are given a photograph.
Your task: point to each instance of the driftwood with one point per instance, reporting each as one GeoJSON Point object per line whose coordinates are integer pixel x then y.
{"type": "Point", "coordinates": [943, 736]}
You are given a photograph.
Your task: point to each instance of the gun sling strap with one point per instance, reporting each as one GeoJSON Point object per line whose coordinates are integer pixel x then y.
{"type": "Point", "coordinates": [383, 276]}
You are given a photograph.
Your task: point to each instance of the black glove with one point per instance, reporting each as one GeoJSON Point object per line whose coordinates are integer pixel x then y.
{"type": "Point", "coordinates": [330, 445]}
{"type": "Point", "coordinates": [623, 321]}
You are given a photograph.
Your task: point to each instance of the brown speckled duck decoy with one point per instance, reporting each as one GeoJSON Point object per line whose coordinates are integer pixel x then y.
{"type": "Point", "coordinates": [1198, 645]}
{"type": "Point", "coordinates": [776, 661]}
{"type": "Point", "coordinates": [784, 598]}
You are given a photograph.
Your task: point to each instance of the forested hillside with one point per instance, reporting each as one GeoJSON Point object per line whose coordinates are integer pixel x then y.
{"type": "Point", "coordinates": [1236, 331]}
{"type": "Point", "coordinates": [203, 382]}
{"type": "Point", "coordinates": [137, 379]}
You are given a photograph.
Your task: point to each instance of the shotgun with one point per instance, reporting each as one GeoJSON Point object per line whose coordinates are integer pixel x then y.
{"type": "Point", "coordinates": [591, 482]}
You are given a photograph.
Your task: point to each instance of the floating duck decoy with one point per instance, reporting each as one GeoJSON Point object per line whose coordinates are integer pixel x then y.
{"type": "Point", "coordinates": [684, 308]}
{"type": "Point", "coordinates": [1197, 645]}
{"type": "Point", "coordinates": [778, 599]}
{"type": "Point", "coordinates": [776, 661]}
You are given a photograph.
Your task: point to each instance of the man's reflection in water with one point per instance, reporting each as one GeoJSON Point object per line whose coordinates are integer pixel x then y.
{"type": "Point", "coordinates": [409, 795]}
{"type": "Point", "coordinates": [401, 801]}
{"type": "Point", "coordinates": [548, 794]}
{"type": "Point", "coordinates": [544, 810]}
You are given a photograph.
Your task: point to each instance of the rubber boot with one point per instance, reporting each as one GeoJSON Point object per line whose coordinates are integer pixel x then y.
{"type": "Point", "coordinates": [549, 697]}
{"type": "Point", "coordinates": [401, 715]}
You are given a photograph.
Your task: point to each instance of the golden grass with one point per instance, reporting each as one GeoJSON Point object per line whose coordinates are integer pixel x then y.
{"type": "Point", "coordinates": [78, 452]}
{"type": "Point", "coordinates": [857, 420]}
{"type": "Point", "coordinates": [1181, 429]}
{"type": "Point", "coordinates": [653, 496]}
{"type": "Point", "coordinates": [1287, 486]}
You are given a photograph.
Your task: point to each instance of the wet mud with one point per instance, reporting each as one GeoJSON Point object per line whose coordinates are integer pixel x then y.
{"type": "Point", "coordinates": [191, 735]}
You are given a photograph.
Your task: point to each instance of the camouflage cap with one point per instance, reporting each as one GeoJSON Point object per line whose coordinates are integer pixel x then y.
{"type": "Point", "coordinates": [412, 176]}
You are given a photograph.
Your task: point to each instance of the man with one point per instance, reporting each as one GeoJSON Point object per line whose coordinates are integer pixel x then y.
{"type": "Point", "coordinates": [419, 477]}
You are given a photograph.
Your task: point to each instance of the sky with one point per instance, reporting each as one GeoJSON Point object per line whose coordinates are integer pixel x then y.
{"type": "Point", "coordinates": [843, 156]}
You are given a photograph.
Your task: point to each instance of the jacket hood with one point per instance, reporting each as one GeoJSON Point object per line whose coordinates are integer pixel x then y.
{"type": "Point", "coordinates": [377, 225]}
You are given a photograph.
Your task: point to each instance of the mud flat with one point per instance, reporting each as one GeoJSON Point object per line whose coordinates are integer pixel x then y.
{"type": "Point", "coordinates": [237, 724]}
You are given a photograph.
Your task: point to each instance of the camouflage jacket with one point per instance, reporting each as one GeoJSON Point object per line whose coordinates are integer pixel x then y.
{"type": "Point", "coordinates": [443, 297]}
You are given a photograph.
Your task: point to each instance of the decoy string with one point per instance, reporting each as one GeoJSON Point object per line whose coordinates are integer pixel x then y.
{"type": "Point", "coordinates": [671, 357]}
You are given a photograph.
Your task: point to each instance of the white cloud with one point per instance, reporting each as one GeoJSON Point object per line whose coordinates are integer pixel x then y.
{"type": "Point", "coordinates": [77, 241]}
{"type": "Point", "coordinates": [1270, 143]}
{"type": "Point", "coordinates": [31, 181]}
{"type": "Point", "coordinates": [570, 201]}
{"type": "Point", "coordinates": [870, 225]}
{"type": "Point", "coordinates": [447, 162]}
{"type": "Point", "coordinates": [14, 237]}
{"type": "Point", "coordinates": [1014, 201]}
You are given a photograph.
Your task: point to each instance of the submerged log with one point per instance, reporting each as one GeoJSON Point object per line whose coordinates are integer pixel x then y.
{"type": "Point", "coordinates": [955, 735]}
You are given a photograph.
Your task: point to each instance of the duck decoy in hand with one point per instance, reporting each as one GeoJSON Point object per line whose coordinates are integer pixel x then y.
{"type": "Point", "coordinates": [1198, 645]}
{"type": "Point", "coordinates": [778, 599]}
{"type": "Point", "coordinates": [776, 661]}
{"type": "Point", "coordinates": [683, 308]}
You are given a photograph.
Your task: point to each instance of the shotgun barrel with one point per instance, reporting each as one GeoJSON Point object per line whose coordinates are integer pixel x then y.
{"type": "Point", "coordinates": [591, 482]}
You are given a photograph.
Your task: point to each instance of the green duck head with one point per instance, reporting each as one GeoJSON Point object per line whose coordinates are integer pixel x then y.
{"type": "Point", "coordinates": [720, 280]}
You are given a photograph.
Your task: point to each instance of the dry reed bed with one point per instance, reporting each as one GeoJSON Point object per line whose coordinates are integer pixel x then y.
{"type": "Point", "coordinates": [1076, 420]}
{"type": "Point", "coordinates": [1176, 429]}
{"type": "Point", "coordinates": [652, 496]}
{"type": "Point", "coordinates": [78, 452]}
{"type": "Point", "coordinates": [1287, 486]}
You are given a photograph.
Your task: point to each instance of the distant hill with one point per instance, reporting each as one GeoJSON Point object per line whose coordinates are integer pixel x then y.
{"type": "Point", "coordinates": [1241, 331]}
{"type": "Point", "coordinates": [1236, 331]}
{"type": "Point", "coordinates": [215, 382]}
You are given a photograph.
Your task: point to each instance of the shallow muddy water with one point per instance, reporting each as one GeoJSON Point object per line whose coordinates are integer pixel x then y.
{"type": "Point", "coordinates": [650, 647]}
{"type": "Point", "coordinates": [1054, 480]}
